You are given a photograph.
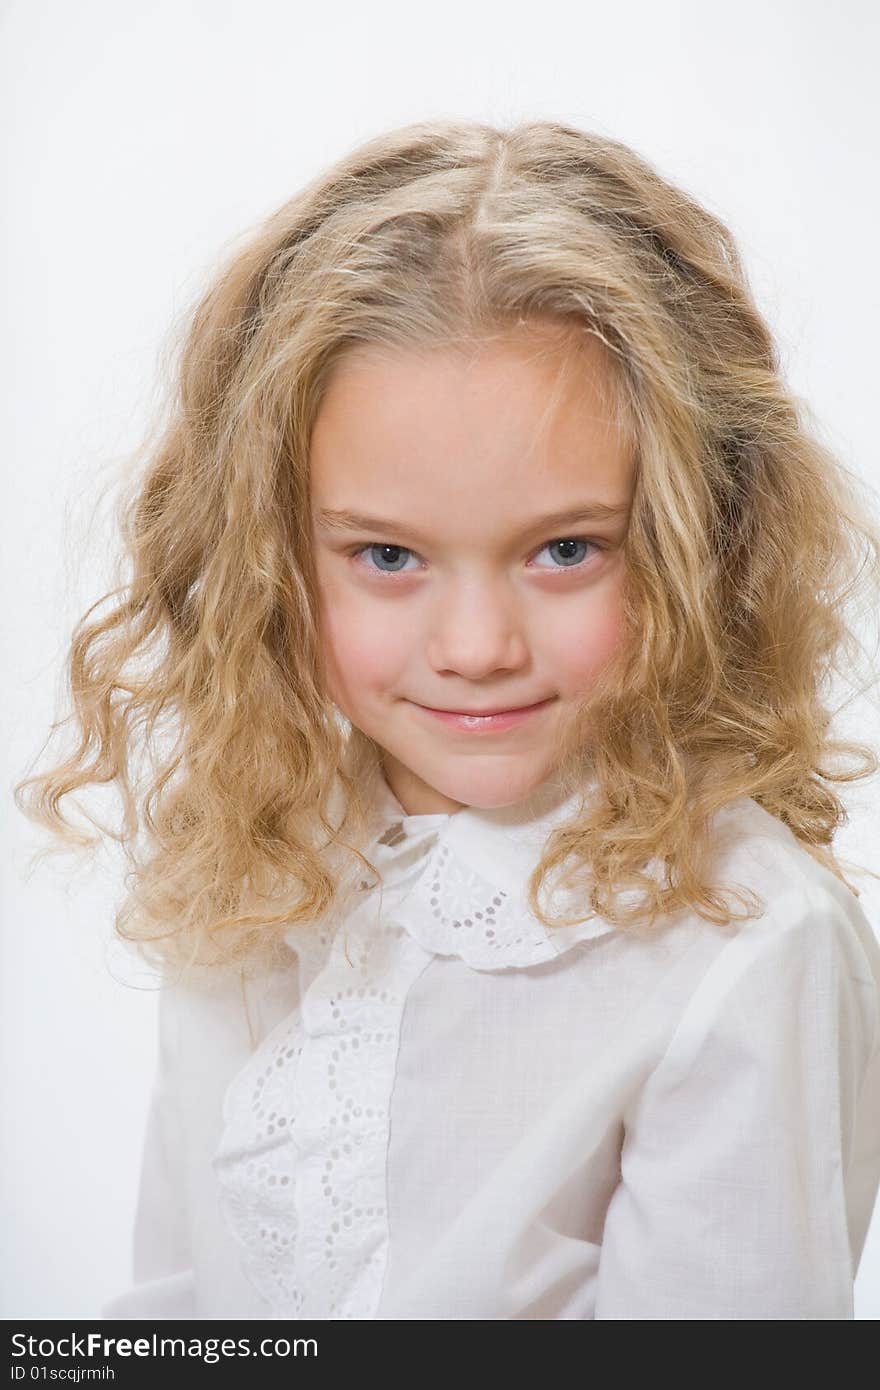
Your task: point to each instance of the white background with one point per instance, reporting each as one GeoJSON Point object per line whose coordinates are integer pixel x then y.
{"type": "Point", "coordinates": [141, 141]}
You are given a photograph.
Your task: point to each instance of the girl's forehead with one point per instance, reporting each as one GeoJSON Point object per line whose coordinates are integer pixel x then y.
{"type": "Point", "coordinates": [468, 498]}
{"type": "Point", "coordinates": [547, 350]}
{"type": "Point", "coordinates": [513, 412]}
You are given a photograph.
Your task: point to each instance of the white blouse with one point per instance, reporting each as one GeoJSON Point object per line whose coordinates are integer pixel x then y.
{"type": "Point", "coordinates": [438, 1109]}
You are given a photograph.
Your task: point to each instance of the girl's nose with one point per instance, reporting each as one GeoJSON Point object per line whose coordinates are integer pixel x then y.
{"type": "Point", "coordinates": [478, 631]}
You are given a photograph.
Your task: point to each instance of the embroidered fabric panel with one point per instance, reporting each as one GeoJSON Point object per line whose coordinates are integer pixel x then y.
{"type": "Point", "coordinates": [301, 1164]}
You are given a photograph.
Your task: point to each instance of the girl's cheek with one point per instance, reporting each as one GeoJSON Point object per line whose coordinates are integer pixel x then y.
{"type": "Point", "coordinates": [363, 651]}
{"type": "Point", "coordinates": [584, 647]}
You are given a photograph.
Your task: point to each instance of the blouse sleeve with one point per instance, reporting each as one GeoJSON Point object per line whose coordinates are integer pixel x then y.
{"type": "Point", "coordinates": [162, 1272]}
{"type": "Point", "coordinates": [751, 1159]}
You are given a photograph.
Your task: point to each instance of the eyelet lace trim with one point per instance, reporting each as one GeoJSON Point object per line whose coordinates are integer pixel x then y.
{"type": "Point", "coordinates": [301, 1163]}
{"type": "Point", "coordinates": [454, 910]}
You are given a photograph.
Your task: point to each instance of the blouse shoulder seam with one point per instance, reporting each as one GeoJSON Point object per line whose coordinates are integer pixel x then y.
{"type": "Point", "coordinates": [758, 944]}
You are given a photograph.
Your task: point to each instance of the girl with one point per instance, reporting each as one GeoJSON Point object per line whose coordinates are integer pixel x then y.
{"type": "Point", "coordinates": [484, 586]}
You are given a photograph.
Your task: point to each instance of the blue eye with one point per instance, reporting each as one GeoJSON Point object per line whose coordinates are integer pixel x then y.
{"type": "Point", "coordinates": [569, 560]}
{"type": "Point", "coordinates": [397, 554]}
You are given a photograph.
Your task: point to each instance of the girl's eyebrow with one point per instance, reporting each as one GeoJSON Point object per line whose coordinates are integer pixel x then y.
{"type": "Point", "coordinates": [333, 520]}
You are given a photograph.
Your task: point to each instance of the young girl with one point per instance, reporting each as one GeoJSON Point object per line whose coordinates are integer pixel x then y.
{"type": "Point", "coordinates": [484, 586]}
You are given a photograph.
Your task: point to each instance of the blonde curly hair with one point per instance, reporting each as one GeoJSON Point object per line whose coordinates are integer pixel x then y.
{"type": "Point", "coordinates": [747, 539]}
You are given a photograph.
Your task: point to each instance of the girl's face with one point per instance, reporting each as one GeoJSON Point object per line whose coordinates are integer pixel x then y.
{"type": "Point", "coordinates": [458, 566]}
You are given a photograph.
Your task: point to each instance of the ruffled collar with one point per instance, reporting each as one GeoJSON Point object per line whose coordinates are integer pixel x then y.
{"type": "Point", "coordinates": [457, 882]}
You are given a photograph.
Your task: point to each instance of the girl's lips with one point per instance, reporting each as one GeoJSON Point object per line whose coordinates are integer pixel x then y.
{"type": "Point", "coordinates": [486, 723]}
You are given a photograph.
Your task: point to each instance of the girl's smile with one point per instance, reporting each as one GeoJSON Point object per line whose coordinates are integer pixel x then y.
{"type": "Point", "coordinates": [493, 722]}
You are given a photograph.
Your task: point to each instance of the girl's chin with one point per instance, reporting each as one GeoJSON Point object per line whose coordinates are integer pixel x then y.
{"type": "Point", "coordinates": [484, 789]}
